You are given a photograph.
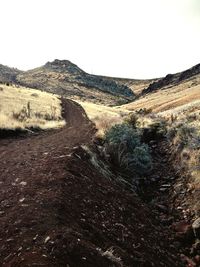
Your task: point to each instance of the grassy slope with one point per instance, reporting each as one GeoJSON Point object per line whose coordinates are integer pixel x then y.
{"type": "Point", "coordinates": [170, 97]}
{"type": "Point", "coordinates": [184, 97]}
{"type": "Point", "coordinates": [45, 109]}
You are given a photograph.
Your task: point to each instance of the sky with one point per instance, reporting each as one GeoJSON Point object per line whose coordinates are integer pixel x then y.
{"type": "Point", "coordinates": [120, 38]}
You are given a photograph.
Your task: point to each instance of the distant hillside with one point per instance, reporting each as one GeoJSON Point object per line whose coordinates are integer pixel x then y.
{"type": "Point", "coordinates": [136, 85]}
{"type": "Point", "coordinates": [8, 74]}
{"type": "Point", "coordinates": [173, 95]}
{"type": "Point", "coordinates": [65, 78]}
{"type": "Point", "coordinates": [172, 79]}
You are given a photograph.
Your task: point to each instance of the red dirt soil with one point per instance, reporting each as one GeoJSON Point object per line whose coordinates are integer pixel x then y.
{"type": "Point", "coordinates": [57, 210]}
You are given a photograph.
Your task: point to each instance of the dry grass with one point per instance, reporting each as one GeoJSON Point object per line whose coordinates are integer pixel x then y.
{"type": "Point", "coordinates": [184, 133]}
{"type": "Point", "coordinates": [169, 97]}
{"type": "Point", "coordinates": [104, 117]}
{"type": "Point", "coordinates": [93, 110]}
{"type": "Point", "coordinates": [22, 108]}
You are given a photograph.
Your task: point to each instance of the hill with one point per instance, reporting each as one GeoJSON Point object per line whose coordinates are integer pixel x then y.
{"type": "Point", "coordinates": [136, 85]}
{"type": "Point", "coordinates": [64, 78]}
{"type": "Point", "coordinates": [172, 92]}
{"type": "Point", "coordinates": [173, 79]}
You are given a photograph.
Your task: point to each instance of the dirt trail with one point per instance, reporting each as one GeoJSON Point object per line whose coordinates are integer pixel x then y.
{"type": "Point", "coordinates": [57, 210]}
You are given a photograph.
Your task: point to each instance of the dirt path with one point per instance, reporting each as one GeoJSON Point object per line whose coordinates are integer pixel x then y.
{"type": "Point", "coordinates": [56, 210]}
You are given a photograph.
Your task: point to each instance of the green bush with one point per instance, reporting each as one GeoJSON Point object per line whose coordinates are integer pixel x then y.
{"type": "Point", "coordinates": [142, 159]}
{"type": "Point", "coordinates": [123, 133]}
{"type": "Point", "coordinates": [124, 147]}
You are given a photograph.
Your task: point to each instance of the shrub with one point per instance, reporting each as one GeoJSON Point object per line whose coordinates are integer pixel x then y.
{"type": "Point", "coordinates": [123, 145]}
{"type": "Point", "coordinates": [144, 111]}
{"type": "Point", "coordinates": [142, 159]}
{"type": "Point", "coordinates": [123, 133]}
{"type": "Point", "coordinates": [34, 95]}
{"type": "Point", "coordinates": [23, 114]}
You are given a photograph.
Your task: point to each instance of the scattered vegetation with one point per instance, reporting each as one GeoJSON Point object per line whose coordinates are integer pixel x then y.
{"type": "Point", "coordinates": [23, 108]}
{"type": "Point", "coordinates": [173, 112]}
{"type": "Point", "coordinates": [184, 134]}
{"type": "Point", "coordinates": [105, 84]}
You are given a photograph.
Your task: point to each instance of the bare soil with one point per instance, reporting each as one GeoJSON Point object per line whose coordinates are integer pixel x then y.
{"type": "Point", "coordinates": [57, 210]}
{"type": "Point", "coordinates": [165, 190]}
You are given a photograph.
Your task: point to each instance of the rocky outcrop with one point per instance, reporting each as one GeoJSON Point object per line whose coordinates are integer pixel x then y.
{"type": "Point", "coordinates": [64, 66]}
{"type": "Point", "coordinates": [189, 73]}
{"type": "Point", "coordinates": [172, 79]}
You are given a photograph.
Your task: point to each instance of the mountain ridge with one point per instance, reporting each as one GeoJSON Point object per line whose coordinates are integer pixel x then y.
{"type": "Point", "coordinates": [172, 79]}
{"type": "Point", "coordinates": [65, 78]}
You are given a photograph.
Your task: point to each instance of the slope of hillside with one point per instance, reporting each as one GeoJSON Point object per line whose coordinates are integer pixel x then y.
{"type": "Point", "coordinates": [170, 96]}
{"type": "Point", "coordinates": [173, 79]}
{"type": "Point", "coordinates": [136, 85]}
{"type": "Point", "coordinates": [65, 78]}
{"type": "Point", "coordinates": [8, 74]}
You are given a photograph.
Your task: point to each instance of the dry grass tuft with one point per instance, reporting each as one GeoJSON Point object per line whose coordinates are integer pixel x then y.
{"type": "Point", "coordinates": [184, 134]}
{"type": "Point", "coordinates": [110, 255]}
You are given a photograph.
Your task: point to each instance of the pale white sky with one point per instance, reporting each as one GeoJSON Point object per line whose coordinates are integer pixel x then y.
{"type": "Point", "coordinates": [124, 38]}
